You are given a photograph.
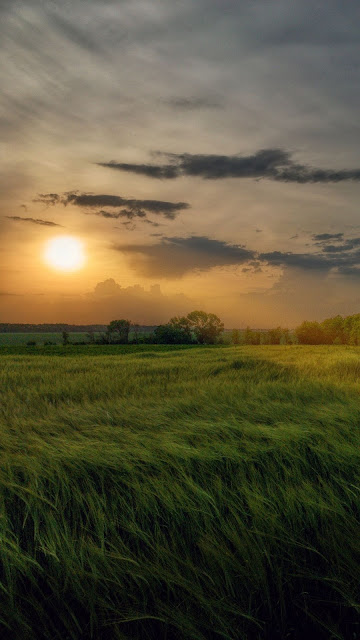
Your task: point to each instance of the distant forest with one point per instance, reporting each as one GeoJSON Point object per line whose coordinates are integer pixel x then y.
{"type": "Point", "coordinates": [336, 330]}
{"type": "Point", "coordinates": [7, 327]}
{"type": "Point", "coordinates": [202, 328]}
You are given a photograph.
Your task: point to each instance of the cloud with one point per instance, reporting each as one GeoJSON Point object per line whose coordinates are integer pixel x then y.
{"type": "Point", "coordinates": [273, 164]}
{"type": "Point", "coordinates": [8, 293]}
{"type": "Point", "coordinates": [45, 223]}
{"type": "Point", "coordinates": [130, 214]}
{"type": "Point", "coordinates": [349, 245]}
{"type": "Point", "coordinates": [350, 271]}
{"type": "Point", "coordinates": [146, 306]}
{"type": "Point", "coordinates": [324, 237]}
{"type": "Point", "coordinates": [296, 296]}
{"type": "Point", "coordinates": [325, 240]}
{"type": "Point", "coordinates": [298, 260]}
{"type": "Point", "coordinates": [48, 198]}
{"type": "Point", "coordinates": [107, 288]}
{"type": "Point", "coordinates": [167, 171]}
{"type": "Point", "coordinates": [132, 208]}
{"type": "Point", "coordinates": [174, 257]}
{"type": "Point", "coordinates": [344, 258]}
{"type": "Point", "coordinates": [190, 104]}
{"type": "Point", "coordinates": [107, 301]}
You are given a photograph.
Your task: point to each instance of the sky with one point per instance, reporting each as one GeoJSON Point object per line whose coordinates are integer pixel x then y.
{"type": "Point", "coordinates": [205, 155]}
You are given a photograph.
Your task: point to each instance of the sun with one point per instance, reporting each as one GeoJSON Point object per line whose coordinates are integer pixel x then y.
{"type": "Point", "coordinates": [65, 253]}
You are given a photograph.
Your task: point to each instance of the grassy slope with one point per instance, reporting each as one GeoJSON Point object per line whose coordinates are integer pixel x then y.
{"type": "Point", "coordinates": [199, 493]}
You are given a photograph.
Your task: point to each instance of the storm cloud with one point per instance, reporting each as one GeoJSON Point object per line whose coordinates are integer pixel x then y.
{"type": "Point", "coordinates": [273, 164]}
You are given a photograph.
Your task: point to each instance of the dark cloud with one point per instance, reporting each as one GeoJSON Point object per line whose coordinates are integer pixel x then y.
{"type": "Point", "coordinates": [273, 164]}
{"type": "Point", "coordinates": [190, 104]}
{"type": "Point", "coordinates": [167, 171]}
{"type": "Point", "coordinates": [298, 260]}
{"type": "Point", "coordinates": [176, 256]}
{"type": "Point", "coordinates": [132, 208]}
{"type": "Point", "coordinates": [50, 199]}
{"type": "Point", "coordinates": [326, 240]}
{"type": "Point", "coordinates": [130, 214]}
{"type": "Point", "coordinates": [153, 224]}
{"type": "Point", "coordinates": [173, 257]}
{"type": "Point", "coordinates": [45, 223]}
{"type": "Point", "coordinates": [348, 245]}
{"type": "Point", "coordinates": [342, 258]}
{"type": "Point", "coordinates": [324, 237]}
{"type": "Point", "coordinates": [350, 271]}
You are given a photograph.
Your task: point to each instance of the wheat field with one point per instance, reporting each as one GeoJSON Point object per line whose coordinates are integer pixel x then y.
{"type": "Point", "coordinates": [199, 493]}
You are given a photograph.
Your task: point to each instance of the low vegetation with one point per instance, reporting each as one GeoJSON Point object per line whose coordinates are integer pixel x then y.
{"type": "Point", "coordinates": [180, 492]}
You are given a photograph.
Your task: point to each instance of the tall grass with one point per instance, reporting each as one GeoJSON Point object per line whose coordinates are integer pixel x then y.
{"type": "Point", "coordinates": [162, 493]}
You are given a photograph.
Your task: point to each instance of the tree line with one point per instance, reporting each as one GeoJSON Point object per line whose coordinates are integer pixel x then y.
{"type": "Point", "coordinates": [8, 327]}
{"type": "Point", "coordinates": [198, 327]}
{"type": "Point", "coordinates": [335, 330]}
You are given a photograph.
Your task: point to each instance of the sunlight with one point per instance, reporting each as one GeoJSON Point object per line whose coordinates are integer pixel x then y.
{"type": "Point", "coordinates": [64, 253]}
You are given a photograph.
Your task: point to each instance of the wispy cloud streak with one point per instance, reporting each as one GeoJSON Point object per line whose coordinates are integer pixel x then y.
{"type": "Point", "coordinates": [45, 223]}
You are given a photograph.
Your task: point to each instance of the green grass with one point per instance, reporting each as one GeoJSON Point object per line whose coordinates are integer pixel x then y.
{"type": "Point", "coordinates": [180, 493]}
{"type": "Point", "coordinates": [22, 338]}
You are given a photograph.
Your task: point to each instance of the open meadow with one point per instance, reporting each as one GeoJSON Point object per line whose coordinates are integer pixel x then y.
{"type": "Point", "coordinates": [7, 339]}
{"type": "Point", "coordinates": [157, 492]}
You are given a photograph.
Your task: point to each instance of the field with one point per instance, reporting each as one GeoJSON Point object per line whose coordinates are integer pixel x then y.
{"type": "Point", "coordinates": [39, 338]}
{"type": "Point", "coordinates": [180, 493]}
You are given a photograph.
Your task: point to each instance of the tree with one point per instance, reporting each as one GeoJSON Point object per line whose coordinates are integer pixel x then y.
{"type": "Point", "coordinates": [118, 331]}
{"type": "Point", "coordinates": [171, 334]}
{"type": "Point", "coordinates": [251, 337]}
{"type": "Point", "coordinates": [310, 333]}
{"type": "Point", "coordinates": [135, 327]}
{"type": "Point", "coordinates": [274, 335]}
{"type": "Point", "coordinates": [235, 336]}
{"type": "Point", "coordinates": [65, 338]}
{"type": "Point", "coordinates": [207, 327]}
{"type": "Point", "coordinates": [333, 329]}
{"type": "Point", "coordinates": [181, 325]}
